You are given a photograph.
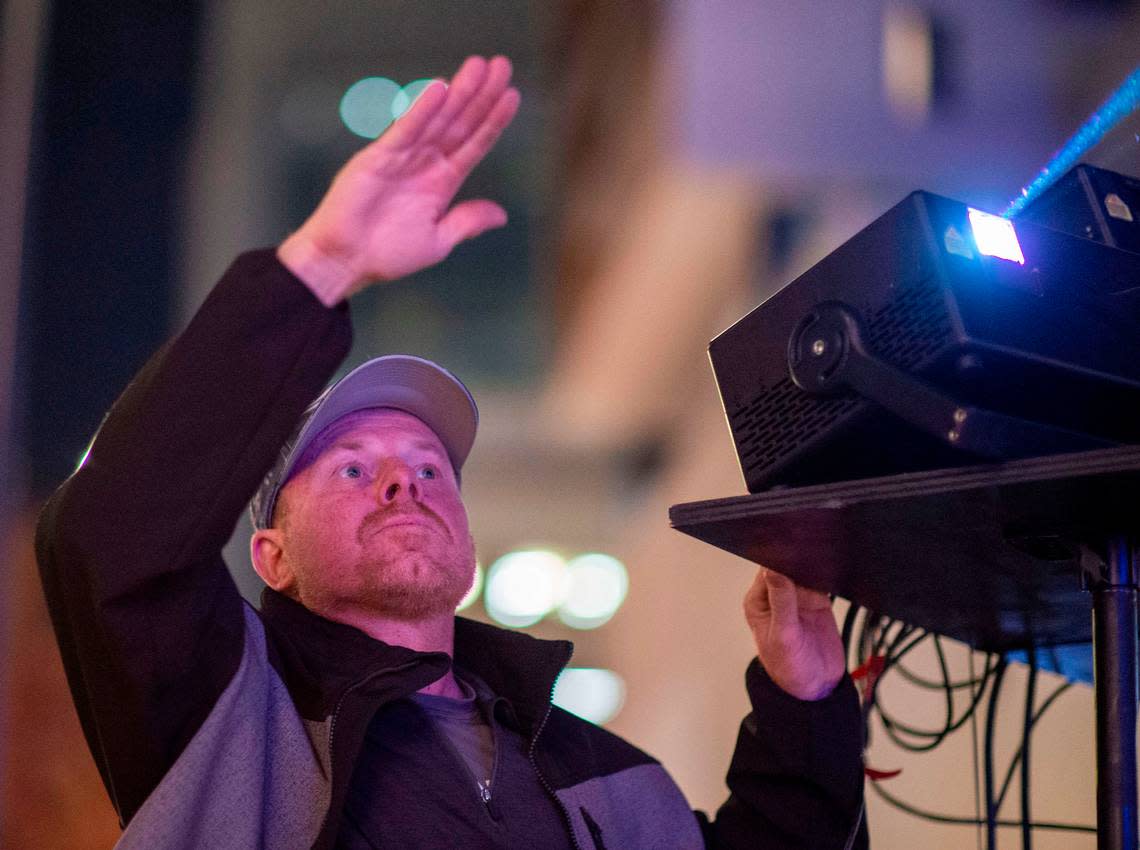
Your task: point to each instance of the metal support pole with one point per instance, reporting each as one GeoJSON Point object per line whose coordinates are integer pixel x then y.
{"type": "Point", "coordinates": [1115, 654]}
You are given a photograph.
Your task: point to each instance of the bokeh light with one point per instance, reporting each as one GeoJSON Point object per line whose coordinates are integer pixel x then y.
{"type": "Point", "coordinates": [592, 693]}
{"type": "Point", "coordinates": [406, 96]}
{"type": "Point", "coordinates": [596, 587]}
{"type": "Point", "coordinates": [366, 108]}
{"type": "Point", "coordinates": [473, 593]}
{"type": "Point", "coordinates": [525, 586]}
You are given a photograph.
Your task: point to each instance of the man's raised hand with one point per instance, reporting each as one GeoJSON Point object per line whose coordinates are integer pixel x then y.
{"type": "Point", "coordinates": [797, 639]}
{"type": "Point", "coordinates": [389, 212]}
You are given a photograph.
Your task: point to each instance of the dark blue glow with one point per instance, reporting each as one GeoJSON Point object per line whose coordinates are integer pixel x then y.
{"type": "Point", "coordinates": [1118, 106]}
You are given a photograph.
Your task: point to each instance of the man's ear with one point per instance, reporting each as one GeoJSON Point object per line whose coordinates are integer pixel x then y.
{"type": "Point", "coordinates": [267, 552]}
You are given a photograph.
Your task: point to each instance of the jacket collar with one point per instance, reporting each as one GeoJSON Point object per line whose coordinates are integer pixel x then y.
{"type": "Point", "coordinates": [514, 665]}
{"type": "Point", "coordinates": [319, 659]}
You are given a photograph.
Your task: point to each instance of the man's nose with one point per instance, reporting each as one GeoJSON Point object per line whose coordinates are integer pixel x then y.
{"type": "Point", "coordinates": [398, 481]}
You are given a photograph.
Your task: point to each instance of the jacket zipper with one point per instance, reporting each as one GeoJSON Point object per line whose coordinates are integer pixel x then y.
{"type": "Point", "coordinates": [332, 728]}
{"type": "Point", "coordinates": [485, 792]}
{"type": "Point", "coordinates": [542, 779]}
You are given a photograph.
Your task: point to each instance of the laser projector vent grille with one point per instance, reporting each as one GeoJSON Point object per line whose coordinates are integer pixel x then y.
{"type": "Point", "coordinates": [780, 420]}
{"type": "Point", "coordinates": [908, 330]}
{"type": "Point", "coordinates": [911, 327]}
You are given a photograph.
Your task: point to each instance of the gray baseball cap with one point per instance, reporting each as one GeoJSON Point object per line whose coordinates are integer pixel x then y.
{"type": "Point", "coordinates": [400, 381]}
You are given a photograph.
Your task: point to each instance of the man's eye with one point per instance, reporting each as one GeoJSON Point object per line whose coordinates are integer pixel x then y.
{"type": "Point", "coordinates": [352, 471]}
{"type": "Point", "coordinates": [428, 472]}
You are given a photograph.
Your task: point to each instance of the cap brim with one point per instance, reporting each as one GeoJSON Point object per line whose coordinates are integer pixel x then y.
{"type": "Point", "coordinates": [417, 386]}
{"type": "Point", "coordinates": [398, 381]}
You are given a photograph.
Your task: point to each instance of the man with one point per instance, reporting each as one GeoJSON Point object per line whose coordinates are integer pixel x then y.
{"type": "Point", "coordinates": [354, 710]}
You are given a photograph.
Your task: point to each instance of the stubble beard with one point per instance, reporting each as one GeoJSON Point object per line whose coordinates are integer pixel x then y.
{"type": "Point", "coordinates": [409, 582]}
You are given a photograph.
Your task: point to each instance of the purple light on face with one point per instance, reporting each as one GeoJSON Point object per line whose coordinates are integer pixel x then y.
{"type": "Point", "coordinates": [995, 236]}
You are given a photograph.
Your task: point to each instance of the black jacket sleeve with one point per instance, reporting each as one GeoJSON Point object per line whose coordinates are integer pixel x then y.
{"type": "Point", "coordinates": [796, 778]}
{"type": "Point", "coordinates": [149, 622]}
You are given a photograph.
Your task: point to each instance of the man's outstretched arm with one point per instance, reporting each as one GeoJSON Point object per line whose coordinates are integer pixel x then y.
{"type": "Point", "coordinates": [149, 623]}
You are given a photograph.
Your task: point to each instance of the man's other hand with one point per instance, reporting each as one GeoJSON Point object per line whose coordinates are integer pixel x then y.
{"type": "Point", "coordinates": [389, 212]}
{"type": "Point", "coordinates": [797, 639]}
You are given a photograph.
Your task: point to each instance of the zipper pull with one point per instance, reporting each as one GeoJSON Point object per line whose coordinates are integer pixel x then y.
{"type": "Point", "coordinates": [485, 796]}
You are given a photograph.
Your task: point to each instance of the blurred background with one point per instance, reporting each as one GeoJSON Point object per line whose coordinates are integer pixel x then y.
{"type": "Point", "coordinates": [673, 164]}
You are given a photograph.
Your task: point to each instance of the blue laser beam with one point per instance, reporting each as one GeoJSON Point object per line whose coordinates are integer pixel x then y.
{"type": "Point", "coordinates": [1115, 109]}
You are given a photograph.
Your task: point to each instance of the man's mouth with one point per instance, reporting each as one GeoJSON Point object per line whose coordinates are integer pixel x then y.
{"type": "Point", "coordinates": [406, 522]}
{"type": "Point", "coordinates": [377, 525]}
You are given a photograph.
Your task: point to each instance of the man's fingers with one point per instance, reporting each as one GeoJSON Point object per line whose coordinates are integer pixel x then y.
{"type": "Point", "coordinates": [813, 600]}
{"type": "Point", "coordinates": [474, 115]}
{"type": "Point", "coordinates": [756, 598]}
{"type": "Point", "coordinates": [408, 127]}
{"type": "Point", "coordinates": [483, 139]}
{"type": "Point", "coordinates": [470, 218]}
{"type": "Point", "coordinates": [464, 86]}
{"type": "Point", "coordinates": [784, 599]}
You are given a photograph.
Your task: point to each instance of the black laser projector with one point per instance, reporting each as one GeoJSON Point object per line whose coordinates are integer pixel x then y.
{"type": "Point", "coordinates": [938, 336]}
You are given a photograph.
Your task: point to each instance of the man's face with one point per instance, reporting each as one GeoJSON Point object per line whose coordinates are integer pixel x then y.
{"type": "Point", "coordinates": [374, 523]}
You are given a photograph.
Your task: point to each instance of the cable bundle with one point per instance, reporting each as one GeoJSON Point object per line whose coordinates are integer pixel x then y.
{"type": "Point", "coordinates": [877, 646]}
